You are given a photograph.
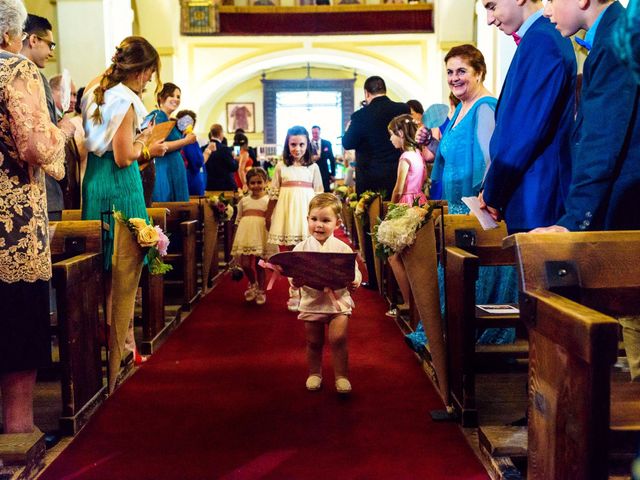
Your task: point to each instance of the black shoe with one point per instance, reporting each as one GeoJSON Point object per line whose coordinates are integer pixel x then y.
{"type": "Point", "coordinates": [369, 286]}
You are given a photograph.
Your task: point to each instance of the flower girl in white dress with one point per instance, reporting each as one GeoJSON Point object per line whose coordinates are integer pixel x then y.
{"type": "Point", "coordinates": [250, 242]}
{"type": "Point", "coordinates": [295, 182]}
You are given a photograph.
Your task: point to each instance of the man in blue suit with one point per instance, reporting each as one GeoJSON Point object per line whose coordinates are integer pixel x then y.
{"type": "Point", "coordinates": [605, 188]}
{"type": "Point", "coordinates": [530, 170]}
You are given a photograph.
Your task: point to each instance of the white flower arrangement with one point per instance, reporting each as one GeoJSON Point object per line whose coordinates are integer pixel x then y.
{"type": "Point", "coordinates": [399, 228]}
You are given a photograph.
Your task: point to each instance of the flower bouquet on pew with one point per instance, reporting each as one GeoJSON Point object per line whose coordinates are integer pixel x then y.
{"type": "Point", "coordinates": [353, 200]}
{"type": "Point", "coordinates": [342, 192]}
{"type": "Point", "coordinates": [222, 207]}
{"type": "Point", "coordinates": [133, 240]}
{"type": "Point", "coordinates": [399, 228]}
{"type": "Point", "coordinates": [150, 237]}
{"type": "Point", "coordinates": [365, 200]}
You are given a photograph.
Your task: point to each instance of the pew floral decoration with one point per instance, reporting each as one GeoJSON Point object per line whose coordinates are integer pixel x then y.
{"type": "Point", "coordinates": [353, 200]}
{"type": "Point", "coordinates": [399, 228]}
{"type": "Point", "coordinates": [151, 237]}
{"type": "Point", "coordinates": [342, 192]}
{"type": "Point", "coordinates": [365, 200]}
{"type": "Point", "coordinates": [222, 207]}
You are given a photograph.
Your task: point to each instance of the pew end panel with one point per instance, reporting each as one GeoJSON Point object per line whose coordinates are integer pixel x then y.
{"type": "Point", "coordinates": [78, 280]}
{"type": "Point", "coordinates": [465, 247]}
{"type": "Point", "coordinates": [572, 287]}
{"type": "Point", "coordinates": [155, 328]}
{"type": "Point", "coordinates": [569, 387]}
{"type": "Point", "coordinates": [182, 223]}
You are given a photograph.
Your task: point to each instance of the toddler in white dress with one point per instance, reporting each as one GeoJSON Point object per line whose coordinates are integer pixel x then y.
{"type": "Point", "coordinates": [250, 242]}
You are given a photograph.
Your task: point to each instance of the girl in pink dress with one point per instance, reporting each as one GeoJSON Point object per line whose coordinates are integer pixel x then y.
{"type": "Point", "coordinates": [411, 166]}
{"type": "Point", "coordinates": [412, 174]}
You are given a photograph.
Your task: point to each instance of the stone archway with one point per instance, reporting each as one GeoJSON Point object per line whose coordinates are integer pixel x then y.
{"type": "Point", "coordinates": [400, 82]}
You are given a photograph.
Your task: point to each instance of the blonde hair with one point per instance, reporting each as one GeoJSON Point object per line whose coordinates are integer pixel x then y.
{"type": "Point", "coordinates": [323, 200]}
{"type": "Point", "coordinates": [134, 55]}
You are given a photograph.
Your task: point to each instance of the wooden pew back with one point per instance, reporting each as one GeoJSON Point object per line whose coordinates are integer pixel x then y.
{"type": "Point", "coordinates": [465, 232]}
{"type": "Point", "coordinates": [597, 269]}
{"type": "Point", "coordinates": [176, 213]}
{"type": "Point", "coordinates": [572, 412]}
{"type": "Point", "coordinates": [183, 220]}
{"type": "Point", "coordinates": [69, 238]}
{"type": "Point", "coordinates": [76, 249]}
{"type": "Point", "coordinates": [157, 216]}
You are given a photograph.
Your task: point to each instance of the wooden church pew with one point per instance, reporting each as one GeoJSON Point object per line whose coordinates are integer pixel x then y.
{"type": "Point", "coordinates": [375, 212]}
{"type": "Point", "coordinates": [227, 228]}
{"type": "Point", "coordinates": [467, 247]}
{"type": "Point", "coordinates": [155, 327]}
{"type": "Point", "coordinates": [207, 242]}
{"type": "Point", "coordinates": [153, 314]}
{"type": "Point", "coordinates": [572, 286]}
{"type": "Point", "coordinates": [182, 225]}
{"type": "Point", "coordinates": [76, 250]}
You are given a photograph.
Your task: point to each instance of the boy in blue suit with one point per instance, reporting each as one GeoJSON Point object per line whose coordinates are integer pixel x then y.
{"type": "Point", "coordinates": [530, 169]}
{"type": "Point", "coordinates": [605, 188]}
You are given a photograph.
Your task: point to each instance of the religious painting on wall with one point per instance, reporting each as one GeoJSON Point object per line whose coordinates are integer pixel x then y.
{"type": "Point", "coordinates": [241, 115]}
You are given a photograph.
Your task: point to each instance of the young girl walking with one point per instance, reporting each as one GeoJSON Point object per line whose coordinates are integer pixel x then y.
{"type": "Point", "coordinates": [250, 242]}
{"type": "Point", "coordinates": [317, 308]}
{"type": "Point", "coordinates": [412, 174]}
{"type": "Point", "coordinates": [295, 181]}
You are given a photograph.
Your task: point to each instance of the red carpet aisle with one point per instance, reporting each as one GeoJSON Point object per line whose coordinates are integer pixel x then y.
{"type": "Point", "coordinates": [224, 398]}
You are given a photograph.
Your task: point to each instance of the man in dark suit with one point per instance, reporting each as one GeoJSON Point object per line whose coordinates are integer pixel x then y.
{"type": "Point", "coordinates": [376, 157]}
{"type": "Point", "coordinates": [219, 162]}
{"type": "Point", "coordinates": [322, 155]}
{"type": "Point", "coordinates": [530, 170]}
{"type": "Point", "coordinates": [605, 188]}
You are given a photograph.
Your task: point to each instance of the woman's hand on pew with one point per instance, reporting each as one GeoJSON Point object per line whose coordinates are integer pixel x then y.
{"type": "Point", "coordinates": [551, 229]}
{"type": "Point", "coordinates": [353, 286]}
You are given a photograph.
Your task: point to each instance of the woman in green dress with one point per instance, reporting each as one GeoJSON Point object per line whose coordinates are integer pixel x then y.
{"type": "Point", "coordinates": [111, 112]}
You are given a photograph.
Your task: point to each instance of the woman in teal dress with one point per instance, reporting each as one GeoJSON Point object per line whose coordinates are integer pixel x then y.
{"type": "Point", "coordinates": [171, 175]}
{"type": "Point", "coordinates": [111, 111]}
{"type": "Point", "coordinates": [459, 168]}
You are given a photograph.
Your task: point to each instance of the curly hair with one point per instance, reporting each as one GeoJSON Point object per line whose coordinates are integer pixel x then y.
{"type": "Point", "coordinates": [13, 14]}
{"type": "Point", "coordinates": [133, 56]}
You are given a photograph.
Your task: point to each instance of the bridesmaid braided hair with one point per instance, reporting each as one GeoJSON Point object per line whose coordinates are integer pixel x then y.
{"type": "Point", "coordinates": [133, 56]}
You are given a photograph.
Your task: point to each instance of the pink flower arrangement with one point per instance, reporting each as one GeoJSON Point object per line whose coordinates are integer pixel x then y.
{"type": "Point", "coordinates": [163, 241]}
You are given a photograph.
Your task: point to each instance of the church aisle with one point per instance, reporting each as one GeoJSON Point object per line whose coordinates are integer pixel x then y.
{"type": "Point", "coordinates": [225, 398]}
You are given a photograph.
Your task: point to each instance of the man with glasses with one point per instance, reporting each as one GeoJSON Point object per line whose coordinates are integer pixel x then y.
{"type": "Point", "coordinates": [38, 46]}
